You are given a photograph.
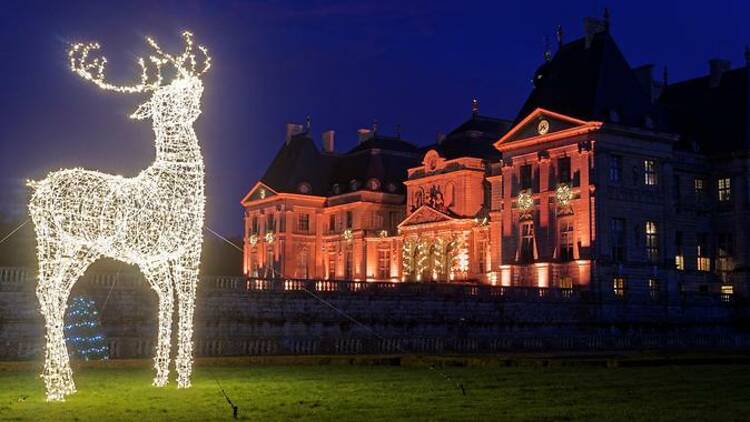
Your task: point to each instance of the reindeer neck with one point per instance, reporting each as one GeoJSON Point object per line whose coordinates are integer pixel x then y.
{"type": "Point", "coordinates": [177, 144]}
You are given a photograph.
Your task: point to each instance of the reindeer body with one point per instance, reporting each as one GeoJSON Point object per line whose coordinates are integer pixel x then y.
{"type": "Point", "coordinates": [153, 220]}
{"type": "Point", "coordinates": [120, 211]}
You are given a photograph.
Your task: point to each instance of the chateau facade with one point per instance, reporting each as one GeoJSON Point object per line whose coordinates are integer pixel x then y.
{"type": "Point", "coordinates": [607, 179]}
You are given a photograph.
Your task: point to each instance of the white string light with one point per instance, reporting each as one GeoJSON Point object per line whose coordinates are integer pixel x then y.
{"type": "Point", "coordinates": [153, 220]}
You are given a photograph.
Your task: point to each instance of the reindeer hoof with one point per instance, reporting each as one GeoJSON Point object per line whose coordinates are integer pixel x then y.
{"type": "Point", "coordinates": [160, 381]}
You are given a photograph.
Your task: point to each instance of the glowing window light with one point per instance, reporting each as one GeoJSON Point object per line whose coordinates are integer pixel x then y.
{"type": "Point", "coordinates": [153, 220]}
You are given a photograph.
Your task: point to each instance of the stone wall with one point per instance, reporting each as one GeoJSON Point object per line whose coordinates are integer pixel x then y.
{"type": "Point", "coordinates": [236, 316]}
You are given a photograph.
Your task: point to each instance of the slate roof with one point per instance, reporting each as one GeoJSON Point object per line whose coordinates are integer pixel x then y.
{"type": "Point", "coordinates": [300, 161]}
{"type": "Point", "coordinates": [388, 143]}
{"type": "Point", "coordinates": [588, 83]}
{"type": "Point", "coordinates": [473, 138]}
{"type": "Point", "coordinates": [715, 118]}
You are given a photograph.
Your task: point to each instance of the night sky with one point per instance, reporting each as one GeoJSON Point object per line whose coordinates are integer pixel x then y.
{"type": "Point", "coordinates": [416, 64]}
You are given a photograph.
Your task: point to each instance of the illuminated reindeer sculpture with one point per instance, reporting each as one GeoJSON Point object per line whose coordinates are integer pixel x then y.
{"type": "Point", "coordinates": [153, 220]}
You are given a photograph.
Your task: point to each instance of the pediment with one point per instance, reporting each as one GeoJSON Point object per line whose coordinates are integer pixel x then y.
{"type": "Point", "coordinates": [258, 192]}
{"type": "Point", "coordinates": [425, 214]}
{"type": "Point", "coordinates": [543, 125]}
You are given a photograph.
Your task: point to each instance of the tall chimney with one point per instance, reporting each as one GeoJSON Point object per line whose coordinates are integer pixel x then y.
{"type": "Point", "coordinates": [716, 68]}
{"type": "Point", "coordinates": [593, 26]}
{"type": "Point", "coordinates": [645, 75]}
{"type": "Point", "coordinates": [364, 134]}
{"type": "Point", "coordinates": [293, 129]}
{"type": "Point", "coordinates": [328, 137]}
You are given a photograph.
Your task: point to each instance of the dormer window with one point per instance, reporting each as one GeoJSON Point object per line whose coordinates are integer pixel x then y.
{"type": "Point", "coordinates": [614, 115]}
{"type": "Point", "coordinates": [373, 184]}
{"type": "Point", "coordinates": [391, 187]}
{"type": "Point", "coordinates": [336, 189]}
{"type": "Point", "coordinates": [304, 188]}
{"type": "Point", "coordinates": [432, 164]}
{"type": "Point", "coordinates": [354, 184]}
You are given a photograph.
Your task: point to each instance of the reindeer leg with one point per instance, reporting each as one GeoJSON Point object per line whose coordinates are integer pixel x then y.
{"type": "Point", "coordinates": [186, 281]}
{"type": "Point", "coordinates": [161, 281]}
{"type": "Point", "coordinates": [57, 375]}
{"type": "Point", "coordinates": [58, 271]}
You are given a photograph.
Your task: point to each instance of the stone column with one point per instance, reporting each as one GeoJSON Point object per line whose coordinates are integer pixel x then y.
{"type": "Point", "coordinates": [584, 238]}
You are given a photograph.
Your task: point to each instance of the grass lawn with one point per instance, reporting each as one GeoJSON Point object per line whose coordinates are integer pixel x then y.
{"type": "Point", "coordinates": [392, 393]}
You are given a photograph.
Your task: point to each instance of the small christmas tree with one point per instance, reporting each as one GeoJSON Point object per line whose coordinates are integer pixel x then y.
{"type": "Point", "coordinates": [83, 330]}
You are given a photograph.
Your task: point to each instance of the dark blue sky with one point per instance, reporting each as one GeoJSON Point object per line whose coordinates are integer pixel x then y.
{"type": "Point", "coordinates": [413, 63]}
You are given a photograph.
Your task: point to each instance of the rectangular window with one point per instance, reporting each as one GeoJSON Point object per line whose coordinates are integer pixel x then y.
{"type": "Point", "coordinates": [679, 262]}
{"type": "Point", "coordinates": [725, 244]}
{"type": "Point", "coordinates": [331, 265]}
{"type": "Point", "coordinates": [302, 263]}
{"type": "Point", "coordinates": [349, 219]}
{"type": "Point", "coordinates": [679, 257]}
{"type": "Point", "coordinates": [255, 225]}
{"type": "Point", "coordinates": [527, 242]}
{"type": "Point", "coordinates": [270, 265]}
{"type": "Point", "coordinates": [270, 223]}
{"type": "Point", "coordinates": [654, 288]}
{"type": "Point", "coordinates": [699, 186]}
{"type": "Point", "coordinates": [566, 240]}
{"type": "Point", "coordinates": [393, 221]}
{"type": "Point", "coordinates": [525, 176]}
{"type": "Point", "coordinates": [566, 282]}
{"type": "Point", "coordinates": [652, 242]}
{"type": "Point", "coordinates": [617, 230]}
{"type": "Point", "coordinates": [332, 223]}
{"type": "Point", "coordinates": [303, 223]}
{"type": "Point", "coordinates": [724, 252]}
{"type": "Point", "coordinates": [481, 251]}
{"type": "Point", "coordinates": [348, 265]}
{"type": "Point", "coordinates": [377, 220]}
{"type": "Point", "coordinates": [563, 169]}
{"type": "Point", "coordinates": [615, 168]}
{"type": "Point", "coordinates": [724, 188]}
{"type": "Point", "coordinates": [704, 261]}
{"type": "Point", "coordinates": [649, 172]}
{"type": "Point", "coordinates": [677, 190]}
{"type": "Point", "coordinates": [384, 264]}
{"type": "Point", "coordinates": [618, 286]}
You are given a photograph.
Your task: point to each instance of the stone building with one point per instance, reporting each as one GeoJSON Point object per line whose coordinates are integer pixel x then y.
{"type": "Point", "coordinates": [321, 214]}
{"type": "Point", "coordinates": [606, 179]}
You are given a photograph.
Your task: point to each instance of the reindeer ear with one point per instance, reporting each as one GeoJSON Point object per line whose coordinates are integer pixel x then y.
{"type": "Point", "coordinates": [143, 111]}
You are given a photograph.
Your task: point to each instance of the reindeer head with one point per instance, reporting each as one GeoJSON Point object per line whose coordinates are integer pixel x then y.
{"type": "Point", "coordinates": [175, 103]}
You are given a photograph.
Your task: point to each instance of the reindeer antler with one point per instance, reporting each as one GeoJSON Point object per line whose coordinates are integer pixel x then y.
{"type": "Point", "coordinates": [94, 71]}
{"type": "Point", "coordinates": [185, 63]}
